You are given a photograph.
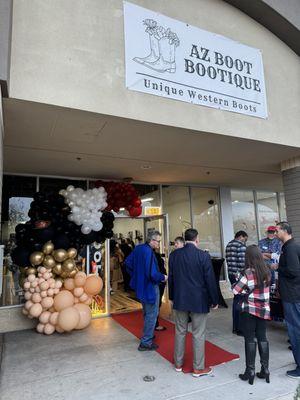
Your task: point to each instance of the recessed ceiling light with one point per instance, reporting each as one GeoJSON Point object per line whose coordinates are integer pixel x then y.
{"type": "Point", "coordinates": [146, 166]}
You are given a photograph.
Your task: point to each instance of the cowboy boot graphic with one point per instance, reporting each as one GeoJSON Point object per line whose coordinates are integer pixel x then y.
{"type": "Point", "coordinates": [151, 27]}
{"type": "Point", "coordinates": [167, 47]}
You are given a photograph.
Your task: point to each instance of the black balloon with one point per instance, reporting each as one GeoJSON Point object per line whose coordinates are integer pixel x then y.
{"type": "Point", "coordinates": [61, 241]}
{"type": "Point", "coordinates": [20, 256]}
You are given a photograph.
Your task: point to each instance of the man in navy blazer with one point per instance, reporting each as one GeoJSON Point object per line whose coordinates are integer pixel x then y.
{"type": "Point", "coordinates": [192, 290]}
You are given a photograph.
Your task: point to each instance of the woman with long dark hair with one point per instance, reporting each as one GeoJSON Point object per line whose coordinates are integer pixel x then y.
{"type": "Point", "coordinates": [254, 284]}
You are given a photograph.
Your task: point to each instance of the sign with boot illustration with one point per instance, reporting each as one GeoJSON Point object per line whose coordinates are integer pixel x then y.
{"type": "Point", "coordinates": [172, 59]}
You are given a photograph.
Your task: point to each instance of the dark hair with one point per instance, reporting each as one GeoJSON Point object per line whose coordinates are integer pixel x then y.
{"type": "Point", "coordinates": [112, 246]}
{"type": "Point", "coordinates": [190, 234]}
{"type": "Point", "coordinates": [285, 226]}
{"type": "Point", "coordinates": [179, 239]}
{"type": "Point", "coordinates": [241, 233]}
{"type": "Point", "coordinates": [255, 261]}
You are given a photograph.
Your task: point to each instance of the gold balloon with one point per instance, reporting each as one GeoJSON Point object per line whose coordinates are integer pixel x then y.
{"type": "Point", "coordinates": [36, 258]}
{"type": "Point", "coordinates": [72, 253]}
{"type": "Point", "coordinates": [31, 270]}
{"type": "Point", "coordinates": [48, 248]}
{"type": "Point", "coordinates": [60, 255]}
{"type": "Point", "coordinates": [49, 262]}
{"type": "Point", "coordinates": [72, 273]}
{"type": "Point", "coordinates": [68, 265]}
{"type": "Point", "coordinates": [22, 280]}
{"type": "Point", "coordinates": [57, 269]}
{"type": "Point", "coordinates": [23, 270]}
{"type": "Point", "coordinates": [64, 275]}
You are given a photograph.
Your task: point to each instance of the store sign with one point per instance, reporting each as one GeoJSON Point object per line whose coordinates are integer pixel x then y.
{"type": "Point", "coordinates": [152, 211]}
{"type": "Point", "coordinates": [169, 58]}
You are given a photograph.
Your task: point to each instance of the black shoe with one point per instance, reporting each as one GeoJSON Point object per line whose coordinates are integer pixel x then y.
{"type": "Point", "coordinates": [152, 346]}
{"type": "Point", "coordinates": [249, 374]}
{"type": "Point", "coordinates": [263, 348]}
{"type": "Point", "coordinates": [295, 373]}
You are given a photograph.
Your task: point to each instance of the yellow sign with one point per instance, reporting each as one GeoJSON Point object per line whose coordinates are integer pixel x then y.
{"type": "Point", "coordinates": [152, 210]}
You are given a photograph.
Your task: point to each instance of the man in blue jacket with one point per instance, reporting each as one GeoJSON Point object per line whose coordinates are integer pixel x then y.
{"type": "Point", "coordinates": [145, 277]}
{"type": "Point", "coordinates": [193, 290]}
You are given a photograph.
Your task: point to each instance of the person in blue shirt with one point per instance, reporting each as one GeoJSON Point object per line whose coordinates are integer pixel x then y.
{"type": "Point", "coordinates": [145, 278]}
{"type": "Point", "coordinates": [270, 247]}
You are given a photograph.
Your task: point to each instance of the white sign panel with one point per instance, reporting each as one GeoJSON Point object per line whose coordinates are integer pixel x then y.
{"type": "Point", "coordinates": [169, 58]}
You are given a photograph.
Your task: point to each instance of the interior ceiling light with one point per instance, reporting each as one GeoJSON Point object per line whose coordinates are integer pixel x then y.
{"type": "Point", "coordinates": [146, 166]}
{"type": "Point", "coordinates": [147, 199]}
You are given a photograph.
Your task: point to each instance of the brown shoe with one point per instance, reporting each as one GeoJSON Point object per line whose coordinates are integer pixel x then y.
{"type": "Point", "coordinates": [201, 372]}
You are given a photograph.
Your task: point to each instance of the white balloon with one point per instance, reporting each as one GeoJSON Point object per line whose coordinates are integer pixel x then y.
{"type": "Point", "coordinates": [70, 188]}
{"type": "Point", "coordinates": [85, 229]}
{"type": "Point", "coordinates": [71, 217]}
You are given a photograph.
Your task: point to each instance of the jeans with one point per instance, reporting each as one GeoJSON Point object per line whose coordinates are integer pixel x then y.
{"type": "Point", "coordinates": [150, 312]}
{"type": "Point", "coordinates": [235, 307]}
{"type": "Point", "coordinates": [253, 327]}
{"type": "Point", "coordinates": [292, 319]}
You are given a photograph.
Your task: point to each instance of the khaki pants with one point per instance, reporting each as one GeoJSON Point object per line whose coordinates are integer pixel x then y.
{"type": "Point", "coordinates": [198, 332]}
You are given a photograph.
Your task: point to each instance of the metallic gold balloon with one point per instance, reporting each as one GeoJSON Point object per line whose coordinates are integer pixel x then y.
{"type": "Point", "coordinates": [72, 253]}
{"type": "Point", "coordinates": [22, 280]}
{"type": "Point", "coordinates": [31, 270]}
{"type": "Point", "coordinates": [57, 269]}
{"type": "Point", "coordinates": [64, 275]}
{"type": "Point", "coordinates": [68, 265]}
{"type": "Point", "coordinates": [36, 258]}
{"type": "Point", "coordinates": [49, 262]}
{"type": "Point", "coordinates": [72, 273]}
{"type": "Point", "coordinates": [48, 248]}
{"type": "Point", "coordinates": [60, 255]}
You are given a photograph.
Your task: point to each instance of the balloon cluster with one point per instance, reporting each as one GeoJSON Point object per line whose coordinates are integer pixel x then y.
{"type": "Point", "coordinates": [61, 262]}
{"type": "Point", "coordinates": [49, 221]}
{"type": "Point", "coordinates": [121, 194]}
{"type": "Point", "coordinates": [86, 206]}
{"type": "Point", "coordinates": [60, 307]}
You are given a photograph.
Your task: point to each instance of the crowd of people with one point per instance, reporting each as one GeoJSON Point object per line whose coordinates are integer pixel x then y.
{"type": "Point", "coordinates": [193, 292]}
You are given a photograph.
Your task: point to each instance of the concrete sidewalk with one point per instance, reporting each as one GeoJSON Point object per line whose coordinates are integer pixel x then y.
{"type": "Point", "coordinates": [102, 362]}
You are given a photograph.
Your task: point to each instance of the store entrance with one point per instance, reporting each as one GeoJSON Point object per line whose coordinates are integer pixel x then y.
{"type": "Point", "coordinates": [128, 233]}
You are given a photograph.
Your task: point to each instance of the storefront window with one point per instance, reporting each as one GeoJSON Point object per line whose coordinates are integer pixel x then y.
{"type": "Point", "coordinates": [243, 213]}
{"type": "Point", "coordinates": [17, 194]}
{"type": "Point", "coordinates": [176, 203]}
{"type": "Point", "coordinates": [267, 209]}
{"type": "Point", "coordinates": [206, 219]}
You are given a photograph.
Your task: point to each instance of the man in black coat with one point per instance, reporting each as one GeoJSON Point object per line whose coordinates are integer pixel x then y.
{"type": "Point", "coordinates": [193, 290]}
{"type": "Point", "coordinates": [289, 288]}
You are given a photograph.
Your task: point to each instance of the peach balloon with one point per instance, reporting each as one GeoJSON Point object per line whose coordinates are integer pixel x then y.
{"type": "Point", "coordinates": [49, 329]}
{"type": "Point", "coordinates": [52, 309]}
{"type": "Point", "coordinates": [44, 317]}
{"type": "Point", "coordinates": [53, 318]}
{"type": "Point", "coordinates": [46, 275]}
{"type": "Point", "coordinates": [31, 290]}
{"type": "Point", "coordinates": [31, 278]}
{"type": "Point", "coordinates": [37, 289]}
{"type": "Point", "coordinates": [42, 270]}
{"type": "Point", "coordinates": [80, 279]}
{"type": "Point", "coordinates": [84, 297]}
{"type": "Point", "coordinates": [76, 300]}
{"type": "Point", "coordinates": [64, 299]}
{"type": "Point", "coordinates": [39, 274]}
{"type": "Point", "coordinates": [34, 284]}
{"type": "Point", "coordinates": [40, 328]}
{"type": "Point", "coordinates": [26, 285]}
{"type": "Point", "coordinates": [55, 291]}
{"type": "Point", "coordinates": [36, 310]}
{"type": "Point", "coordinates": [50, 292]}
{"type": "Point", "coordinates": [44, 285]}
{"type": "Point", "coordinates": [36, 298]}
{"type": "Point", "coordinates": [28, 304]}
{"type": "Point", "coordinates": [78, 291]}
{"type": "Point", "coordinates": [93, 285]}
{"type": "Point", "coordinates": [27, 295]}
{"type": "Point", "coordinates": [58, 284]}
{"type": "Point", "coordinates": [44, 293]}
{"type": "Point", "coordinates": [68, 318]}
{"type": "Point", "coordinates": [69, 284]}
{"type": "Point", "coordinates": [85, 315]}
{"type": "Point", "coordinates": [41, 280]}
{"type": "Point", "coordinates": [89, 301]}
{"type": "Point", "coordinates": [59, 329]}
{"type": "Point", "coordinates": [47, 302]}
{"type": "Point", "coordinates": [24, 311]}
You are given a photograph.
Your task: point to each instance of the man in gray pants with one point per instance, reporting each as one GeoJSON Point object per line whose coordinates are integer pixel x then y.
{"type": "Point", "coordinates": [193, 290]}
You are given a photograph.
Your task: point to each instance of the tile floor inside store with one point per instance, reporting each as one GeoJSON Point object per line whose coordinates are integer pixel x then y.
{"type": "Point", "coordinates": [102, 362]}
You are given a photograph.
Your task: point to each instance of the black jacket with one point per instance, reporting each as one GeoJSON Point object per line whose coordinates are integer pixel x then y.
{"type": "Point", "coordinates": [192, 283]}
{"type": "Point", "coordinates": [289, 272]}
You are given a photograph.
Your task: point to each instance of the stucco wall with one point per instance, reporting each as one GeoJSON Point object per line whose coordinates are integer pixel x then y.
{"type": "Point", "coordinates": [71, 53]}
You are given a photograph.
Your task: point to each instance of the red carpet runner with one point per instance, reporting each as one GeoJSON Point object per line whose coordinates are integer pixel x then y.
{"type": "Point", "coordinates": [214, 355]}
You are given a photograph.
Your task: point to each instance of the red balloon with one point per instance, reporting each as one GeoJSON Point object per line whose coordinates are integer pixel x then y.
{"type": "Point", "coordinates": [135, 211]}
{"type": "Point", "coordinates": [136, 202]}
